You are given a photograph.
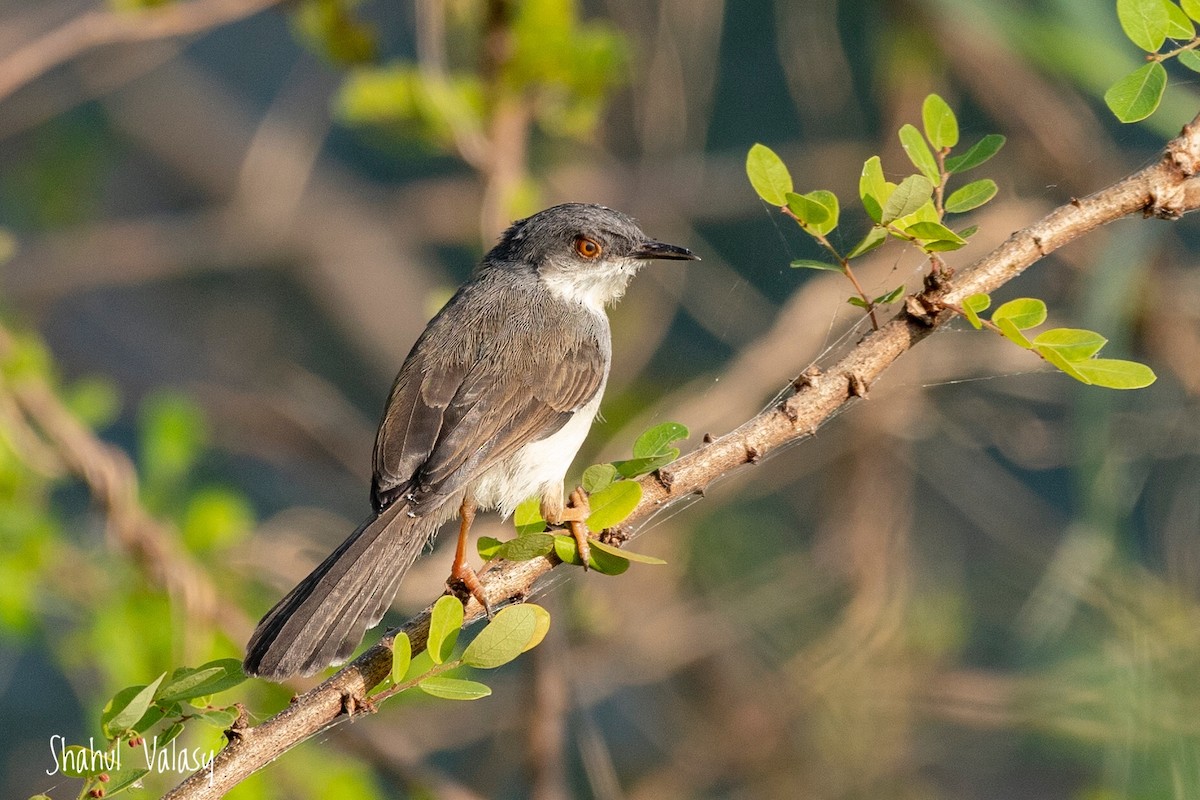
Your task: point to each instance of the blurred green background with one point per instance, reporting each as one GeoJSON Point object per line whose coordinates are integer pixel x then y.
{"type": "Point", "coordinates": [981, 583]}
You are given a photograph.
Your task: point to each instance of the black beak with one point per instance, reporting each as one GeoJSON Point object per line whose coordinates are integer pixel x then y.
{"type": "Point", "coordinates": [652, 249]}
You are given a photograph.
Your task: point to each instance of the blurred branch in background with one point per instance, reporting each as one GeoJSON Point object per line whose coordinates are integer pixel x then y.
{"type": "Point", "coordinates": [94, 29]}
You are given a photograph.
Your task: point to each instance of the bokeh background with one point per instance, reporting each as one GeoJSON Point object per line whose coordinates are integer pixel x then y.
{"type": "Point", "coordinates": [982, 582]}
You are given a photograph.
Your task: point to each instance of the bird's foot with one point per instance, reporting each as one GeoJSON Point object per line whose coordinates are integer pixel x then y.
{"type": "Point", "coordinates": [464, 584]}
{"type": "Point", "coordinates": [574, 515]}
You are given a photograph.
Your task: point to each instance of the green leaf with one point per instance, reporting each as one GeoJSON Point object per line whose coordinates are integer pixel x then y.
{"type": "Point", "coordinates": [808, 211]}
{"type": "Point", "coordinates": [817, 211]}
{"type": "Point", "coordinates": [184, 683]}
{"type": "Point", "coordinates": [973, 305]}
{"type": "Point", "coordinates": [541, 626]}
{"type": "Point", "coordinates": [768, 175]}
{"type": "Point", "coordinates": [1013, 333]}
{"type": "Point", "coordinates": [977, 154]}
{"type": "Point", "coordinates": [1191, 8]}
{"type": "Point", "coordinates": [401, 656]}
{"type": "Point", "coordinates": [890, 297]}
{"type": "Point", "coordinates": [1179, 27]}
{"type": "Point", "coordinates": [504, 638]}
{"type": "Point", "coordinates": [942, 245]}
{"type": "Point", "coordinates": [830, 202]}
{"type": "Point", "coordinates": [613, 504]}
{"type": "Point", "coordinates": [874, 238]}
{"type": "Point", "coordinates": [488, 547]}
{"type": "Point", "coordinates": [1145, 22]}
{"type": "Point", "coordinates": [855, 300]}
{"type": "Point", "coordinates": [809, 263]}
{"type": "Point", "coordinates": [1073, 344]}
{"type": "Point", "coordinates": [941, 127]}
{"type": "Point", "coordinates": [1053, 357]}
{"type": "Point", "coordinates": [1024, 312]}
{"type": "Point", "coordinates": [1138, 94]}
{"type": "Point", "coordinates": [633, 467]}
{"type": "Point", "coordinates": [601, 561]}
{"type": "Point", "coordinates": [1113, 373]}
{"type": "Point", "coordinates": [621, 552]}
{"type": "Point", "coordinates": [969, 231]}
{"type": "Point", "coordinates": [527, 518]}
{"type": "Point", "coordinates": [523, 548]}
{"type": "Point", "coordinates": [919, 153]}
{"type": "Point", "coordinates": [444, 624]}
{"type": "Point", "coordinates": [453, 688]}
{"type": "Point", "coordinates": [933, 231]}
{"type": "Point", "coordinates": [973, 195]}
{"type": "Point", "coordinates": [873, 189]}
{"type": "Point", "coordinates": [912, 193]}
{"type": "Point", "coordinates": [220, 717]}
{"type": "Point", "coordinates": [657, 441]}
{"type": "Point", "coordinates": [127, 707]}
{"type": "Point", "coordinates": [597, 476]}
{"type": "Point", "coordinates": [170, 733]}
{"type": "Point", "coordinates": [1190, 59]}
{"type": "Point", "coordinates": [219, 675]}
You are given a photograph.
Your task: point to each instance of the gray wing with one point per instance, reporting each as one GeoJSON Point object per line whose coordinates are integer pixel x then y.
{"type": "Point", "coordinates": [474, 392]}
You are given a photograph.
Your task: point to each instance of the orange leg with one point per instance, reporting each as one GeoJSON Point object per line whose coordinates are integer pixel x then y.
{"type": "Point", "coordinates": [574, 514]}
{"type": "Point", "coordinates": [460, 571]}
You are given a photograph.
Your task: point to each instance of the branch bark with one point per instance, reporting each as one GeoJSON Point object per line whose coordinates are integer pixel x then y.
{"type": "Point", "coordinates": [1167, 189]}
{"type": "Point", "coordinates": [98, 28]}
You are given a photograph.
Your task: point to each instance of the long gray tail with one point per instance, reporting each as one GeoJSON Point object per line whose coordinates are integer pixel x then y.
{"type": "Point", "coordinates": [323, 619]}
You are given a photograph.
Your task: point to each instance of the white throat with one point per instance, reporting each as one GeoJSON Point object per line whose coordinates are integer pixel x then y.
{"type": "Point", "coordinates": [594, 287]}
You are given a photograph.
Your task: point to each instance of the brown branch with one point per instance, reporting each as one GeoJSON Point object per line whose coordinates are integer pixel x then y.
{"type": "Point", "coordinates": [112, 480]}
{"type": "Point", "coordinates": [1166, 190]}
{"type": "Point", "coordinates": [98, 28]}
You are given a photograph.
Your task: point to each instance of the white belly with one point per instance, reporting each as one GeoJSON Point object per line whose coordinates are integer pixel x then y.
{"type": "Point", "coordinates": [536, 468]}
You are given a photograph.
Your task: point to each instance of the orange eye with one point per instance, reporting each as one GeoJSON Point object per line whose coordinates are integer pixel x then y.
{"type": "Point", "coordinates": [588, 248]}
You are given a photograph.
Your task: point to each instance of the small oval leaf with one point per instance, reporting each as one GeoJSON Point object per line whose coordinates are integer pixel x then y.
{"type": "Point", "coordinates": [444, 624]}
{"type": "Point", "coordinates": [973, 305]}
{"type": "Point", "coordinates": [541, 626]}
{"type": "Point", "coordinates": [128, 706]}
{"type": "Point", "coordinates": [527, 518]}
{"type": "Point", "coordinates": [523, 548]}
{"type": "Point", "coordinates": [454, 688]}
{"type": "Point", "coordinates": [613, 504]}
{"type": "Point", "coordinates": [1145, 22]}
{"type": "Point", "coordinates": [1114, 373]}
{"type": "Point", "coordinates": [657, 441]}
{"type": "Point", "coordinates": [1073, 344]}
{"type": "Point", "coordinates": [977, 154]}
{"type": "Point", "coordinates": [919, 153]}
{"type": "Point", "coordinates": [873, 188]}
{"type": "Point", "coordinates": [621, 552]}
{"type": "Point", "coordinates": [912, 193]}
{"type": "Point", "coordinates": [941, 126]}
{"type": "Point", "coordinates": [503, 639]}
{"type": "Point", "coordinates": [1024, 312]}
{"type": "Point", "coordinates": [971, 196]}
{"type": "Point", "coordinates": [401, 657]}
{"type": "Point", "coordinates": [1137, 95]}
{"type": "Point", "coordinates": [768, 175]}
{"type": "Point", "coordinates": [597, 476]}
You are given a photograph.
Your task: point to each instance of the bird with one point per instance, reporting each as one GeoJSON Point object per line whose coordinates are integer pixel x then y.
{"type": "Point", "coordinates": [488, 409]}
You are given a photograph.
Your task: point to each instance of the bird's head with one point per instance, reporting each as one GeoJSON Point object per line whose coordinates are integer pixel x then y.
{"type": "Point", "coordinates": [581, 252]}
